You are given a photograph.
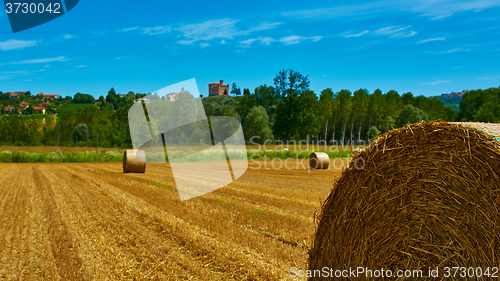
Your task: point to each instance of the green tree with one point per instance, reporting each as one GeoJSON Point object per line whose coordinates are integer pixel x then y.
{"type": "Point", "coordinates": [266, 96]}
{"type": "Point", "coordinates": [289, 83]}
{"type": "Point", "coordinates": [389, 123]}
{"type": "Point", "coordinates": [360, 109]}
{"type": "Point", "coordinates": [235, 90]}
{"type": "Point", "coordinates": [410, 114]}
{"type": "Point", "coordinates": [246, 91]}
{"type": "Point", "coordinates": [373, 132]}
{"type": "Point", "coordinates": [81, 132]}
{"type": "Point", "coordinates": [289, 86]}
{"type": "Point", "coordinates": [256, 127]}
{"type": "Point", "coordinates": [326, 102]}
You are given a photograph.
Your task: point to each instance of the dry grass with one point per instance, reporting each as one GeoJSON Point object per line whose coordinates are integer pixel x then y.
{"type": "Point", "coordinates": [92, 222]}
{"type": "Point", "coordinates": [427, 197]}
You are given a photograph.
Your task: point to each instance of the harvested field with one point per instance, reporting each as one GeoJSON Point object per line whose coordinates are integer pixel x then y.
{"type": "Point", "coordinates": [92, 222]}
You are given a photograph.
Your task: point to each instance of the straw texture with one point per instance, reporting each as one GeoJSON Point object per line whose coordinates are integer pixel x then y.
{"type": "Point", "coordinates": [134, 161]}
{"type": "Point", "coordinates": [319, 160]}
{"type": "Point", "coordinates": [421, 196]}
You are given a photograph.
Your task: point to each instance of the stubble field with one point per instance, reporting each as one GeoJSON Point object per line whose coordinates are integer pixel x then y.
{"type": "Point", "coordinates": [89, 221]}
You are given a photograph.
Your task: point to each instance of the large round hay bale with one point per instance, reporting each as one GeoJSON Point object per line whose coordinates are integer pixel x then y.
{"type": "Point", "coordinates": [423, 196]}
{"type": "Point", "coordinates": [319, 160]}
{"type": "Point", "coordinates": [134, 161]}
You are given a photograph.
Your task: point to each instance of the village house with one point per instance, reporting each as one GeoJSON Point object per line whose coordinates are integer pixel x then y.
{"type": "Point", "coordinates": [39, 109]}
{"type": "Point", "coordinates": [218, 89]}
{"type": "Point", "coordinates": [173, 96]}
{"type": "Point", "coordinates": [24, 105]}
{"type": "Point", "coordinates": [141, 100]}
{"type": "Point", "coordinates": [13, 95]}
{"type": "Point", "coordinates": [50, 97]}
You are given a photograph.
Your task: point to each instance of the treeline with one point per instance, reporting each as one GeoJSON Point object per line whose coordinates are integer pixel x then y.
{"type": "Point", "coordinates": [289, 110]}
{"type": "Point", "coordinates": [286, 110]}
{"type": "Point", "coordinates": [480, 106]}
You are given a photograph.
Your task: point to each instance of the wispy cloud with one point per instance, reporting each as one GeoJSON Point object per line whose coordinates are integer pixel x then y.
{"type": "Point", "coordinates": [436, 82]}
{"type": "Point", "coordinates": [81, 66]}
{"type": "Point", "coordinates": [129, 29]}
{"type": "Point", "coordinates": [220, 28]}
{"type": "Point", "coordinates": [261, 40]}
{"type": "Point", "coordinates": [455, 50]}
{"type": "Point", "coordinates": [156, 30]}
{"type": "Point", "coordinates": [294, 39]}
{"type": "Point", "coordinates": [434, 9]}
{"type": "Point", "coordinates": [204, 45]}
{"type": "Point", "coordinates": [331, 12]}
{"type": "Point", "coordinates": [45, 60]}
{"type": "Point", "coordinates": [489, 78]}
{"type": "Point", "coordinates": [430, 40]}
{"type": "Point", "coordinates": [13, 44]}
{"type": "Point", "coordinates": [394, 31]}
{"type": "Point", "coordinates": [69, 36]}
{"type": "Point", "coordinates": [358, 34]}
{"type": "Point", "coordinates": [248, 42]}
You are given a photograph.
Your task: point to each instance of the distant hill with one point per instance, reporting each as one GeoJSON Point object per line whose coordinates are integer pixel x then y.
{"type": "Point", "coordinates": [452, 99]}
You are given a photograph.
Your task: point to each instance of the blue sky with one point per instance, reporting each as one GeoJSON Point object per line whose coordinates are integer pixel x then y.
{"type": "Point", "coordinates": [427, 47]}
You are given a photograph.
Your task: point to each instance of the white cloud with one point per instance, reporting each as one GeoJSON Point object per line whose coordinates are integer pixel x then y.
{"type": "Point", "coordinates": [204, 45]}
{"type": "Point", "coordinates": [455, 50]}
{"type": "Point", "coordinates": [389, 30]}
{"type": "Point", "coordinates": [436, 82]}
{"type": "Point", "coordinates": [223, 42]}
{"type": "Point", "coordinates": [489, 78]}
{"type": "Point", "coordinates": [294, 39]}
{"type": "Point", "coordinates": [13, 44]}
{"type": "Point", "coordinates": [45, 60]}
{"type": "Point", "coordinates": [156, 30]}
{"type": "Point", "coordinates": [395, 31]}
{"type": "Point", "coordinates": [435, 9]}
{"type": "Point", "coordinates": [69, 36]}
{"type": "Point", "coordinates": [81, 66]}
{"type": "Point", "coordinates": [358, 34]}
{"type": "Point", "coordinates": [248, 42]}
{"type": "Point", "coordinates": [431, 40]}
{"type": "Point", "coordinates": [220, 28]}
{"type": "Point", "coordinates": [266, 40]}
{"type": "Point", "coordinates": [261, 40]}
{"type": "Point", "coordinates": [129, 29]}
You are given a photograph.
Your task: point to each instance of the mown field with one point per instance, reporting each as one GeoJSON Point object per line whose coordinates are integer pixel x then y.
{"type": "Point", "coordinates": [89, 221]}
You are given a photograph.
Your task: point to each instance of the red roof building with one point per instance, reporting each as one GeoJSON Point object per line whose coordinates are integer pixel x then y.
{"type": "Point", "coordinates": [218, 89]}
{"type": "Point", "coordinates": [50, 97]}
{"type": "Point", "coordinates": [24, 105]}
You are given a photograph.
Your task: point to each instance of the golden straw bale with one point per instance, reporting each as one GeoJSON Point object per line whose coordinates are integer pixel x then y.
{"type": "Point", "coordinates": [425, 195]}
{"type": "Point", "coordinates": [319, 160]}
{"type": "Point", "coordinates": [134, 161]}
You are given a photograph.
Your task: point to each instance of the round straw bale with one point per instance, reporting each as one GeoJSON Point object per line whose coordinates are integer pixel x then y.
{"type": "Point", "coordinates": [134, 161]}
{"type": "Point", "coordinates": [319, 160]}
{"type": "Point", "coordinates": [425, 195]}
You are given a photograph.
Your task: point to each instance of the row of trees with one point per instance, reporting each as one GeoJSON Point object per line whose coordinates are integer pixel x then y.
{"type": "Point", "coordinates": [287, 110]}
